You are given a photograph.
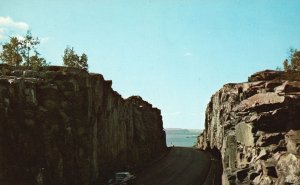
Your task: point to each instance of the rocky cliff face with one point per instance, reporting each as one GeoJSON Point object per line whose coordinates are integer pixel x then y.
{"type": "Point", "coordinates": [65, 126]}
{"type": "Point", "coordinates": [256, 128]}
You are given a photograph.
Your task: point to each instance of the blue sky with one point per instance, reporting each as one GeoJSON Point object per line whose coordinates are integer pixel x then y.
{"type": "Point", "coordinates": [173, 53]}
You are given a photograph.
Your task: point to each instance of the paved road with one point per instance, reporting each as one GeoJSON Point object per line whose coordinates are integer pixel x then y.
{"type": "Point", "coordinates": [182, 166]}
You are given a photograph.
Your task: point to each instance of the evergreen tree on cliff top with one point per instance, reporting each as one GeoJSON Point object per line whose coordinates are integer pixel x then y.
{"type": "Point", "coordinates": [293, 64]}
{"type": "Point", "coordinates": [71, 59]}
{"type": "Point", "coordinates": [22, 52]}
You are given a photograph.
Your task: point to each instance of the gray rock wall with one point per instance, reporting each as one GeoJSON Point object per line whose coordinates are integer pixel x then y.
{"type": "Point", "coordinates": [65, 126]}
{"type": "Point", "coordinates": [256, 127]}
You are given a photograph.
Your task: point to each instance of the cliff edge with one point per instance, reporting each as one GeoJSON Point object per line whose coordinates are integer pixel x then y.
{"type": "Point", "coordinates": [65, 126]}
{"type": "Point", "coordinates": [255, 129]}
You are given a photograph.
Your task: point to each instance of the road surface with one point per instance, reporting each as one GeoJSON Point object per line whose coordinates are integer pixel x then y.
{"type": "Point", "coordinates": [182, 166]}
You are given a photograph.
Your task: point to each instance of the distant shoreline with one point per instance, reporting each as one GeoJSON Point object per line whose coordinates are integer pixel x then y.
{"type": "Point", "coordinates": [181, 137]}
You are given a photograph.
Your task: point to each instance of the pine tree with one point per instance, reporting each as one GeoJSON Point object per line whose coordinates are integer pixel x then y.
{"type": "Point", "coordinates": [295, 60]}
{"type": "Point", "coordinates": [293, 64]}
{"type": "Point", "coordinates": [28, 44]}
{"type": "Point", "coordinates": [35, 61]}
{"type": "Point", "coordinates": [22, 51]}
{"type": "Point", "coordinates": [83, 62]}
{"type": "Point", "coordinates": [71, 59]}
{"type": "Point", "coordinates": [286, 65]}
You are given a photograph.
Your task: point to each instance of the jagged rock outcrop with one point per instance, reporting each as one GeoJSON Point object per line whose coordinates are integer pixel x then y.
{"type": "Point", "coordinates": [256, 128]}
{"type": "Point", "coordinates": [65, 126]}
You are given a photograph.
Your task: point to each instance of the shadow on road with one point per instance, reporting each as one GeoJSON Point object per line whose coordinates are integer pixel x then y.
{"type": "Point", "coordinates": [182, 166]}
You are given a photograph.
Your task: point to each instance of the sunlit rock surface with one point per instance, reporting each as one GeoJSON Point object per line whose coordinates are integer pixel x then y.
{"type": "Point", "coordinates": [256, 127]}
{"type": "Point", "coordinates": [66, 126]}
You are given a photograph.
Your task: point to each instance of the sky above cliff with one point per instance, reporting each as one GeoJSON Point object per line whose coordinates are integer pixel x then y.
{"type": "Point", "coordinates": [173, 53]}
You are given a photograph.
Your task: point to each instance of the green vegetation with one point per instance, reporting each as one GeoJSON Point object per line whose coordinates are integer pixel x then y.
{"type": "Point", "coordinates": [293, 63]}
{"type": "Point", "coordinates": [22, 52]}
{"type": "Point", "coordinates": [71, 59]}
{"type": "Point", "coordinates": [291, 66]}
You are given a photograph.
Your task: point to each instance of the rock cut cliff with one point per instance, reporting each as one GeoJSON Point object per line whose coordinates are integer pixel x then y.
{"type": "Point", "coordinates": [65, 126]}
{"type": "Point", "coordinates": [255, 127]}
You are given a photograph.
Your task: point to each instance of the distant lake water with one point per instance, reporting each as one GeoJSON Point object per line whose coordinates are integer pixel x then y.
{"type": "Point", "coordinates": [181, 137]}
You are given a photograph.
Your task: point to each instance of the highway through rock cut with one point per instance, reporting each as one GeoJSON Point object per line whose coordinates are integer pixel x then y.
{"type": "Point", "coordinates": [182, 166]}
